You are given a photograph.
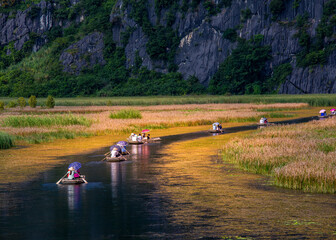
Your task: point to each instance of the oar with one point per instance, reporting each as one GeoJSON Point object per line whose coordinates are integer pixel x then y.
{"type": "Point", "coordinates": [61, 178]}
{"type": "Point", "coordinates": [106, 153]}
{"type": "Point", "coordinates": [84, 180]}
{"type": "Point", "coordinates": [104, 158]}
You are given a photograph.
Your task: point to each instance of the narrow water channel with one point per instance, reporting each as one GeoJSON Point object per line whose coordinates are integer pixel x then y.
{"type": "Point", "coordinates": [162, 193]}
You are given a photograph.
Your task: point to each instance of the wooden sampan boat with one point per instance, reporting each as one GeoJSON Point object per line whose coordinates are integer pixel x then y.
{"type": "Point", "coordinates": [135, 142]}
{"type": "Point", "coordinates": [114, 159]}
{"type": "Point", "coordinates": [321, 117]}
{"type": "Point", "coordinates": [67, 181]}
{"type": "Point", "coordinates": [151, 140]}
{"type": "Point", "coordinates": [215, 131]}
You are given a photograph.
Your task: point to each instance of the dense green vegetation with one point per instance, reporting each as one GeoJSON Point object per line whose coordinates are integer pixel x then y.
{"type": "Point", "coordinates": [126, 114]}
{"type": "Point", "coordinates": [311, 99]}
{"type": "Point", "coordinates": [315, 50]}
{"type": "Point", "coordinates": [6, 140]}
{"type": "Point", "coordinates": [45, 121]}
{"type": "Point", "coordinates": [243, 71]}
{"type": "Point", "coordinates": [276, 8]}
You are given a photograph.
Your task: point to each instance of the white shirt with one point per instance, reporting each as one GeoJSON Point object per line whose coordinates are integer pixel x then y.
{"type": "Point", "coordinates": [114, 153]}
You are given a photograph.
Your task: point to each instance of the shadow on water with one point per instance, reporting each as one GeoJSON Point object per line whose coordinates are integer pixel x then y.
{"type": "Point", "coordinates": [145, 197]}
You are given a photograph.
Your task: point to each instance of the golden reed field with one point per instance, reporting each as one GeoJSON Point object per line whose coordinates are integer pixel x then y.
{"type": "Point", "coordinates": [300, 156]}
{"type": "Point", "coordinates": [162, 116]}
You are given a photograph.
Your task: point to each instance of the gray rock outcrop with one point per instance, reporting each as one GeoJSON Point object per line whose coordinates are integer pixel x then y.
{"type": "Point", "coordinates": [202, 47]}
{"type": "Point", "coordinates": [84, 54]}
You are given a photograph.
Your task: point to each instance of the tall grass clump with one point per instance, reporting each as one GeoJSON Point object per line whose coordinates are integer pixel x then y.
{"type": "Point", "coordinates": [297, 156]}
{"type": "Point", "coordinates": [44, 121]}
{"type": "Point", "coordinates": [2, 105]}
{"type": "Point", "coordinates": [126, 114]}
{"type": "Point", "coordinates": [6, 140]}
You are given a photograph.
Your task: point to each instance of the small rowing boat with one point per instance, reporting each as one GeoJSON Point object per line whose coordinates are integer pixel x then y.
{"type": "Point", "coordinates": [115, 159]}
{"type": "Point", "coordinates": [151, 140]}
{"type": "Point", "coordinates": [79, 180]}
{"type": "Point", "coordinates": [215, 131]}
{"type": "Point", "coordinates": [135, 142]}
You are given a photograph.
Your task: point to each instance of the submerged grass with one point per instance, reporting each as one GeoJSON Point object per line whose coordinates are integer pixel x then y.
{"type": "Point", "coordinates": [296, 156]}
{"type": "Point", "coordinates": [126, 114]}
{"type": "Point", "coordinates": [6, 140]}
{"type": "Point", "coordinates": [45, 121]}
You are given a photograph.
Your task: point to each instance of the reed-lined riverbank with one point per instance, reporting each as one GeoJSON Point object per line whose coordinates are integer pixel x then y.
{"type": "Point", "coordinates": [42, 125]}
{"type": "Point", "coordinates": [298, 156]}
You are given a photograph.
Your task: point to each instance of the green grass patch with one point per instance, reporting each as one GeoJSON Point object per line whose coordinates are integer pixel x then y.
{"type": "Point", "coordinates": [45, 121]}
{"type": "Point", "coordinates": [126, 114]}
{"type": "Point", "coordinates": [311, 99]}
{"type": "Point", "coordinates": [326, 148]}
{"type": "Point", "coordinates": [278, 115]}
{"type": "Point", "coordinates": [6, 140]}
{"type": "Point", "coordinates": [37, 138]}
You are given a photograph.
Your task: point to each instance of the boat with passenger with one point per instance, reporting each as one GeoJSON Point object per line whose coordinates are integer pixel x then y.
{"type": "Point", "coordinates": [115, 159]}
{"type": "Point", "coordinates": [323, 114]}
{"type": "Point", "coordinates": [216, 128]}
{"type": "Point", "coordinates": [73, 175]}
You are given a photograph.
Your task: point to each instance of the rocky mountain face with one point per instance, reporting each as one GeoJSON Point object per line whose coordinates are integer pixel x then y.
{"type": "Point", "coordinates": [202, 45]}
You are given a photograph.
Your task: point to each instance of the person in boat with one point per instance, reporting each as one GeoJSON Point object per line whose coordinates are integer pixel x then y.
{"type": "Point", "coordinates": [71, 173]}
{"type": "Point", "coordinates": [148, 136]}
{"type": "Point", "coordinates": [134, 137]}
{"type": "Point", "coordinates": [220, 127]}
{"type": "Point", "coordinates": [123, 149]}
{"type": "Point", "coordinates": [144, 136]}
{"type": "Point", "coordinates": [77, 174]}
{"type": "Point", "coordinates": [115, 153]}
{"type": "Point", "coordinates": [139, 139]}
{"type": "Point", "coordinates": [263, 120]}
{"type": "Point", "coordinates": [214, 126]}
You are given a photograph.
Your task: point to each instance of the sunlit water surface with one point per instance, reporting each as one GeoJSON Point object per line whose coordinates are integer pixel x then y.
{"type": "Point", "coordinates": [176, 189]}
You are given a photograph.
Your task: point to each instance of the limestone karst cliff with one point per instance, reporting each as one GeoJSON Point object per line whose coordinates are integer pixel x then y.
{"type": "Point", "coordinates": [191, 37]}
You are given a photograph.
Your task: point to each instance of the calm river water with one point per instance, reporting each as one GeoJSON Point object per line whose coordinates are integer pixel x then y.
{"type": "Point", "coordinates": [138, 199]}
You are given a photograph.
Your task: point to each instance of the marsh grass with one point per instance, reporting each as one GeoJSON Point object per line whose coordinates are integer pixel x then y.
{"type": "Point", "coordinates": [97, 121]}
{"type": "Point", "coordinates": [6, 140]}
{"type": "Point", "coordinates": [278, 109]}
{"type": "Point", "coordinates": [42, 137]}
{"type": "Point", "coordinates": [278, 115]}
{"type": "Point", "coordinates": [126, 114]}
{"type": "Point", "coordinates": [311, 99]}
{"type": "Point", "coordinates": [296, 155]}
{"type": "Point", "coordinates": [45, 121]}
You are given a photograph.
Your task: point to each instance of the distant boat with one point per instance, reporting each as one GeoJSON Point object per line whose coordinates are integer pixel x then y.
{"type": "Point", "coordinates": [135, 142]}
{"type": "Point", "coordinates": [115, 159]}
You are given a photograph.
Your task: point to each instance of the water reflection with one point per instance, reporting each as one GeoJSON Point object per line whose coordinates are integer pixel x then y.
{"type": "Point", "coordinates": [74, 196]}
